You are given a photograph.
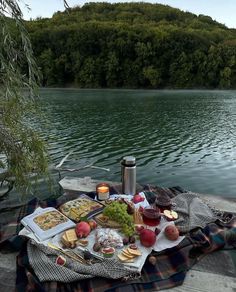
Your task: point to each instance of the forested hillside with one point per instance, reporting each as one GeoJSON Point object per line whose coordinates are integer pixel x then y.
{"type": "Point", "coordinates": [134, 45]}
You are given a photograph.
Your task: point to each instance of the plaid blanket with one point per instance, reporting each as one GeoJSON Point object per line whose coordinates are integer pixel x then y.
{"type": "Point", "coordinates": [169, 271]}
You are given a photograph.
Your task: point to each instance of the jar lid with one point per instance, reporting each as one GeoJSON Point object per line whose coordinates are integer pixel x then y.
{"type": "Point", "coordinates": [129, 160]}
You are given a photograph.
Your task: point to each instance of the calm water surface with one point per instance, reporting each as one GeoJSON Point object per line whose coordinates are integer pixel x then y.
{"type": "Point", "coordinates": [185, 138]}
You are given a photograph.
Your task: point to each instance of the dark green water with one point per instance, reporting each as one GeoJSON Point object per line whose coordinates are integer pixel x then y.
{"type": "Point", "coordinates": [185, 138]}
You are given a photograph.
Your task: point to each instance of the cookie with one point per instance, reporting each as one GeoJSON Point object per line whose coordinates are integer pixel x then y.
{"type": "Point", "coordinates": [135, 252]}
{"type": "Point", "coordinates": [124, 259]}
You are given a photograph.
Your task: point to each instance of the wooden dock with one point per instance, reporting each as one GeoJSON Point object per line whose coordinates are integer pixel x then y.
{"type": "Point", "coordinates": [215, 273]}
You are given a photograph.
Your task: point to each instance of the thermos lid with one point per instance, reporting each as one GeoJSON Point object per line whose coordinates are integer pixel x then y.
{"type": "Point", "coordinates": [128, 160]}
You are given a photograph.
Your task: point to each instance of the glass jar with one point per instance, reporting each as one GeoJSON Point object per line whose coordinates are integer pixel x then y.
{"type": "Point", "coordinates": [103, 191]}
{"type": "Point", "coordinates": [151, 216]}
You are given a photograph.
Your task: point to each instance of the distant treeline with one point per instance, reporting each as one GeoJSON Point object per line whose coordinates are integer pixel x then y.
{"type": "Point", "coordinates": [134, 45]}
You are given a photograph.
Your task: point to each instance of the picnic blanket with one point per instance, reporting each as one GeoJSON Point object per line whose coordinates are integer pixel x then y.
{"type": "Point", "coordinates": [170, 270]}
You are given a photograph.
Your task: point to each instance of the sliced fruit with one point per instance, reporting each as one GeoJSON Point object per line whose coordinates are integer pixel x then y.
{"type": "Point", "coordinates": [133, 246]}
{"type": "Point", "coordinates": [170, 215]}
{"type": "Point", "coordinates": [60, 260]}
{"type": "Point", "coordinates": [108, 252]}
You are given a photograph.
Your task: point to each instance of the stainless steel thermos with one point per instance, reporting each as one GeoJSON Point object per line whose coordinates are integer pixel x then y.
{"type": "Point", "coordinates": [128, 175]}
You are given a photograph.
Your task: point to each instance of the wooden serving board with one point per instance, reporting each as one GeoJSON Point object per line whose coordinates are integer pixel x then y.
{"type": "Point", "coordinates": [104, 221]}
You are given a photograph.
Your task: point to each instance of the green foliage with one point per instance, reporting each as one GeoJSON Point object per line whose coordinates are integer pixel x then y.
{"type": "Point", "coordinates": [134, 45]}
{"type": "Point", "coordinates": [22, 151]}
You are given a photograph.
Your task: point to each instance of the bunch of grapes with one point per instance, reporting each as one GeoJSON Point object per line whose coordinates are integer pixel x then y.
{"type": "Point", "coordinates": [117, 211]}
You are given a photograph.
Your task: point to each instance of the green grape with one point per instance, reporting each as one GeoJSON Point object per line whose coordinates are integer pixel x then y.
{"type": "Point", "coordinates": [118, 212]}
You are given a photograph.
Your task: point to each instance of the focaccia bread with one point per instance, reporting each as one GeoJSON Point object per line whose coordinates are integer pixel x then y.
{"type": "Point", "coordinates": [81, 207]}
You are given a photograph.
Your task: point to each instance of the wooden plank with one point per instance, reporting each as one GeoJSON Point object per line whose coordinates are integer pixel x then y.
{"type": "Point", "coordinates": [80, 184]}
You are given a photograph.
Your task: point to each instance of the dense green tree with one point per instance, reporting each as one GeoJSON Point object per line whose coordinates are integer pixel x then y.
{"type": "Point", "coordinates": [134, 45]}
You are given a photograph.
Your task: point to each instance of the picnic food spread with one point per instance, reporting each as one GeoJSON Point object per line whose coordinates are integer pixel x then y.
{"type": "Point", "coordinates": [122, 227]}
{"type": "Point", "coordinates": [86, 257]}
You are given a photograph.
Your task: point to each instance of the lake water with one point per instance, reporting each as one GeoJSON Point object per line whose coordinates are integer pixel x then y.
{"type": "Point", "coordinates": [185, 138]}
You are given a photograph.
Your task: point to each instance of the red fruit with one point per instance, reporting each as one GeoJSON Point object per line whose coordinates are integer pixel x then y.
{"type": "Point", "coordinates": [132, 239]}
{"type": "Point", "coordinates": [92, 224]}
{"type": "Point", "coordinates": [125, 240]}
{"type": "Point", "coordinates": [171, 232]}
{"type": "Point", "coordinates": [82, 229]}
{"type": "Point", "coordinates": [170, 215]}
{"type": "Point", "coordinates": [140, 209]}
{"type": "Point", "coordinates": [147, 237]}
{"type": "Point", "coordinates": [60, 260]}
{"type": "Point", "coordinates": [139, 228]}
{"type": "Point", "coordinates": [137, 198]}
{"type": "Point", "coordinates": [108, 252]}
{"type": "Point", "coordinates": [133, 246]}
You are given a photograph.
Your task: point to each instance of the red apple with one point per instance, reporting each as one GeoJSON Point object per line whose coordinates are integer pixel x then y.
{"type": "Point", "coordinates": [171, 232]}
{"type": "Point", "coordinates": [137, 198]}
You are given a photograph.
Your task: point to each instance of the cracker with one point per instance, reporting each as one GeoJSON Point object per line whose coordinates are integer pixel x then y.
{"type": "Point", "coordinates": [127, 255]}
{"type": "Point", "coordinates": [135, 252]}
{"type": "Point", "coordinates": [124, 259]}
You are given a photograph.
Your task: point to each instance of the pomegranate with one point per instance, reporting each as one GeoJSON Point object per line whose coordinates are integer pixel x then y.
{"type": "Point", "coordinates": [82, 229]}
{"type": "Point", "coordinates": [147, 237]}
{"type": "Point", "coordinates": [171, 232]}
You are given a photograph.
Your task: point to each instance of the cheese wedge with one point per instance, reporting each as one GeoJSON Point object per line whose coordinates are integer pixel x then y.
{"type": "Point", "coordinates": [71, 235]}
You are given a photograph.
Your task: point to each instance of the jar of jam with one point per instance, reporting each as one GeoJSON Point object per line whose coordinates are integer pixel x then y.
{"type": "Point", "coordinates": [151, 216]}
{"type": "Point", "coordinates": [103, 191]}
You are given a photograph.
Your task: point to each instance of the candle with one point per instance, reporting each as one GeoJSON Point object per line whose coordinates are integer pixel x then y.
{"type": "Point", "coordinates": [103, 192]}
